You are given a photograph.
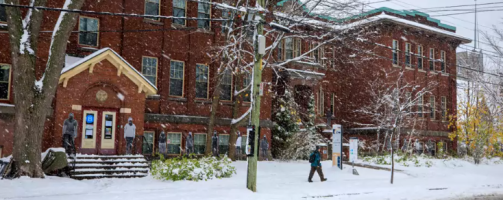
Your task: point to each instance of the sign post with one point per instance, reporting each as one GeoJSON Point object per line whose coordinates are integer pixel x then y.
{"type": "Point", "coordinates": [353, 149]}
{"type": "Point", "coordinates": [337, 145]}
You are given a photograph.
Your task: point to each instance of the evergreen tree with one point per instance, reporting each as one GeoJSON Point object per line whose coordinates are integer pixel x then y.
{"type": "Point", "coordinates": [286, 124]}
{"type": "Point", "coordinates": [303, 142]}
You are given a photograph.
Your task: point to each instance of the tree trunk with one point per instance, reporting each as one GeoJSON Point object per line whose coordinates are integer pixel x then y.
{"type": "Point", "coordinates": [214, 108]}
{"type": "Point", "coordinates": [238, 100]}
{"type": "Point", "coordinates": [33, 102]}
{"type": "Point", "coordinates": [392, 160]}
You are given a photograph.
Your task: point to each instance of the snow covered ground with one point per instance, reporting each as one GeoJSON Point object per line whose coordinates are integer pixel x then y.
{"type": "Point", "coordinates": [279, 180]}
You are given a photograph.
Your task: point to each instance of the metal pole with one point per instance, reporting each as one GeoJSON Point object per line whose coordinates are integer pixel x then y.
{"type": "Point", "coordinates": [255, 115]}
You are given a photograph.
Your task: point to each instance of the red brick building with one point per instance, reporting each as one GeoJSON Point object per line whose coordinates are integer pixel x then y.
{"type": "Point", "coordinates": [158, 72]}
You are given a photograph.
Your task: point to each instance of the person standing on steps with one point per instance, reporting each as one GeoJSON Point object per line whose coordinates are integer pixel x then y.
{"type": "Point", "coordinates": [129, 134]}
{"type": "Point", "coordinates": [162, 144]}
{"type": "Point", "coordinates": [70, 127]}
{"type": "Point", "coordinates": [264, 146]}
{"type": "Point", "coordinates": [214, 144]}
{"type": "Point", "coordinates": [189, 144]}
{"type": "Point", "coordinates": [238, 146]}
{"type": "Point", "coordinates": [315, 160]}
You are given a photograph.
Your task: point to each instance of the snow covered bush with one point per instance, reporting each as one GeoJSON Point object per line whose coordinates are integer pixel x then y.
{"type": "Point", "coordinates": [192, 169]}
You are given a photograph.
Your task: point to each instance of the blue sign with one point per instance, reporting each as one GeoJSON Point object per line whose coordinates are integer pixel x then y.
{"type": "Point", "coordinates": [90, 119]}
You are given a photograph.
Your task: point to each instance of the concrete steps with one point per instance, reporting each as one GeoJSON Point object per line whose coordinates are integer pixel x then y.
{"type": "Point", "coordinates": [100, 166]}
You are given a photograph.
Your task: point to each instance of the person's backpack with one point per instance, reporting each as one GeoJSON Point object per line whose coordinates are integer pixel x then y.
{"type": "Point", "coordinates": [312, 157]}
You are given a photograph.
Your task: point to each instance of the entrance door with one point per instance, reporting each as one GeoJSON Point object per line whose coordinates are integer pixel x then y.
{"type": "Point", "coordinates": [108, 127]}
{"type": "Point", "coordinates": [98, 132]}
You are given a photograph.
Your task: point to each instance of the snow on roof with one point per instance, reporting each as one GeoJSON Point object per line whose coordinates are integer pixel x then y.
{"type": "Point", "coordinates": [72, 62]}
{"type": "Point", "coordinates": [305, 72]}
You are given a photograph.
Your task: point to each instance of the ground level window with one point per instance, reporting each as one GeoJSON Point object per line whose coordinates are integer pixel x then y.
{"type": "Point", "coordinates": [148, 143]}
{"type": "Point", "coordinates": [3, 14]}
{"type": "Point", "coordinates": [223, 144]}
{"type": "Point", "coordinates": [174, 141]}
{"type": "Point", "coordinates": [4, 81]}
{"type": "Point", "coordinates": [199, 143]}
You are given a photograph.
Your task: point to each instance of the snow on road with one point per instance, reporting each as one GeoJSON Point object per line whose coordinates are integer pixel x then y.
{"type": "Point", "coordinates": [276, 180]}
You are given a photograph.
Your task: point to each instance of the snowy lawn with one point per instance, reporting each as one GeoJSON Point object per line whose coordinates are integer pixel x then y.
{"type": "Point", "coordinates": [277, 180]}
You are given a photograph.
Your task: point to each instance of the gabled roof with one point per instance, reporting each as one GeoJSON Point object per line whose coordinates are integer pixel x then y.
{"type": "Point", "coordinates": [74, 66]}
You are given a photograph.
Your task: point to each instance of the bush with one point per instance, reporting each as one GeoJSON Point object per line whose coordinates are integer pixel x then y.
{"type": "Point", "coordinates": [192, 169]}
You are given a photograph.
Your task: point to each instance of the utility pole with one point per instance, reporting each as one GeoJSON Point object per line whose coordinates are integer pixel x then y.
{"type": "Point", "coordinates": [255, 115]}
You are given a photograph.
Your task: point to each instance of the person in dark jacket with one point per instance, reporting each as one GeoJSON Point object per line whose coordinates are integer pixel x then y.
{"type": "Point", "coordinates": [162, 144]}
{"type": "Point", "coordinates": [316, 166]}
{"type": "Point", "coordinates": [264, 146]}
{"type": "Point", "coordinates": [214, 144]}
{"type": "Point", "coordinates": [189, 144]}
{"type": "Point", "coordinates": [70, 127]}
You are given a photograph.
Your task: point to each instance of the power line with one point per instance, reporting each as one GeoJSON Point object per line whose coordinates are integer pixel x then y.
{"type": "Point", "coordinates": [457, 6]}
{"type": "Point", "coordinates": [107, 13]}
{"type": "Point", "coordinates": [462, 13]}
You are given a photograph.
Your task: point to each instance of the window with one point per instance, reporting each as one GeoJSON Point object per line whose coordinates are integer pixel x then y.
{"type": "Point", "coordinates": [333, 57]}
{"type": "Point", "coordinates": [432, 59]}
{"type": "Point", "coordinates": [152, 7]}
{"type": "Point", "coordinates": [408, 99]}
{"type": "Point", "coordinates": [88, 31]}
{"type": "Point", "coordinates": [432, 107]}
{"type": "Point", "coordinates": [280, 50]}
{"type": "Point", "coordinates": [199, 143]}
{"type": "Point", "coordinates": [332, 104]}
{"type": "Point", "coordinates": [442, 64]}
{"type": "Point", "coordinates": [420, 106]}
{"type": "Point", "coordinates": [316, 53]}
{"type": "Point", "coordinates": [297, 49]}
{"type": "Point", "coordinates": [247, 81]}
{"type": "Point", "coordinates": [203, 11]}
{"type": "Point", "coordinates": [321, 59]}
{"type": "Point", "coordinates": [396, 49]}
{"type": "Point", "coordinates": [174, 143]}
{"type": "Point", "coordinates": [321, 101]}
{"type": "Point", "coordinates": [202, 81]}
{"type": "Point", "coordinates": [288, 48]}
{"type": "Point", "coordinates": [226, 86]}
{"type": "Point", "coordinates": [148, 143]}
{"type": "Point", "coordinates": [179, 11]}
{"type": "Point", "coordinates": [4, 81]}
{"type": "Point", "coordinates": [243, 144]}
{"type": "Point", "coordinates": [407, 54]}
{"type": "Point", "coordinates": [420, 57]}
{"type": "Point", "coordinates": [176, 78]}
{"type": "Point", "coordinates": [223, 144]}
{"type": "Point", "coordinates": [149, 69]}
{"type": "Point", "coordinates": [444, 108]}
{"type": "Point", "coordinates": [3, 14]}
{"type": "Point", "coordinates": [226, 14]}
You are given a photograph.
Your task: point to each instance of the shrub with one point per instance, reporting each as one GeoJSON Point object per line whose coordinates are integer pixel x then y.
{"type": "Point", "coordinates": [192, 169]}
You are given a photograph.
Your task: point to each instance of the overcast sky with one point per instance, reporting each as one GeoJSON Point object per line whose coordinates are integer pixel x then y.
{"type": "Point", "coordinates": [464, 23]}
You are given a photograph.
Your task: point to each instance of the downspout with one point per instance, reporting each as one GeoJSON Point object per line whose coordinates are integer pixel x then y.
{"type": "Point", "coordinates": [122, 24]}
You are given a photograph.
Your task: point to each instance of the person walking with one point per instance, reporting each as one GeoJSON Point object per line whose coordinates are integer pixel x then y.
{"type": "Point", "coordinates": [214, 144]}
{"type": "Point", "coordinates": [129, 134]}
{"type": "Point", "coordinates": [70, 127]}
{"type": "Point", "coordinates": [238, 146]}
{"type": "Point", "coordinates": [189, 144]}
{"type": "Point", "coordinates": [264, 146]}
{"type": "Point", "coordinates": [162, 144]}
{"type": "Point", "coordinates": [315, 160]}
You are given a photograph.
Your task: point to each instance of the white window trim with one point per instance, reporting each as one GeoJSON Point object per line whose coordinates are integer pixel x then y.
{"type": "Point", "coordinates": [98, 33]}
{"type": "Point", "coordinates": [156, 67]}
{"type": "Point", "coordinates": [205, 136]}
{"type": "Point", "coordinates": [145, 10]}
{"type": "Point", "coordinates": [207, 82]}
{"type": "Point", "coordinates": [396, 49]}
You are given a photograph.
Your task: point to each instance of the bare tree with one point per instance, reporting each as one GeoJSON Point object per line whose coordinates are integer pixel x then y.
{"type": "Point", "coordinates": [34, 94]}
{"type": "Point", "coordinates": [394, 105]}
